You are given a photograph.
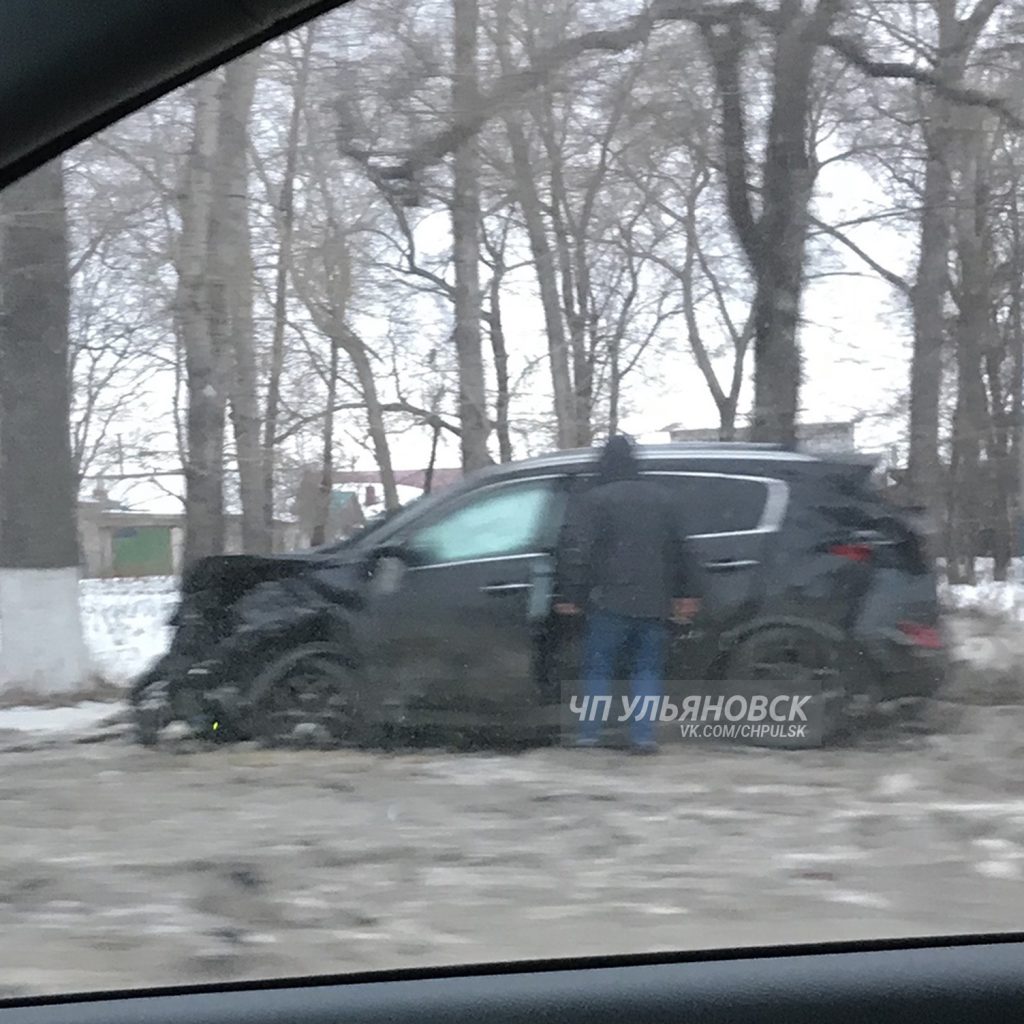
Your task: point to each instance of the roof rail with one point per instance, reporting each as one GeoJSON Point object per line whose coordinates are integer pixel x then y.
{"type": "Point", "coordinates": [732, 445]}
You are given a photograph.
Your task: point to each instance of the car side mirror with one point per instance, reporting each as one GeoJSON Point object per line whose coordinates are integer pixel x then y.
{"type": "Point", "coordinates": [392, 551]}
{"type": "Point", "coordinates": [385, 567]}
{"type": "Point", "coordinates": [396, 549]}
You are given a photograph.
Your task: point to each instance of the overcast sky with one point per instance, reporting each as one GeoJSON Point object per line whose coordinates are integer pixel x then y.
{"type": "Point", "coordinates": [855, 338]}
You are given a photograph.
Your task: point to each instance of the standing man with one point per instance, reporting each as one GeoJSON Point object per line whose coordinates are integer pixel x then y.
{"type": "Point", "coordinates": [624, 562]}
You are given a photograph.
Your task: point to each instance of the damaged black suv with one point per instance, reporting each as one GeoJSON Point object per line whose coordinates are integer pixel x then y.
{"type": "Point", "coordinates": [439, 618]}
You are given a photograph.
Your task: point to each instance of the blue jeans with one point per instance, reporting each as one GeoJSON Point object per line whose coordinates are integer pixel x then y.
{"type": "Point", "coordinates": [606, 638]}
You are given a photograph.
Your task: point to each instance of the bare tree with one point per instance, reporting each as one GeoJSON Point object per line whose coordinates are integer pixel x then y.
{"type": "Point", "coordinates": [230, 267]}
{"type": "Point", "coordinates": [205, 360]}
{"type": "Point", "coordinates": [495, 248]}
{"type": "Point", "coordinates": [973, 334]}
{"type": "Point", "coordinates": [466, 242]}
{"type": "Point", "coordinates": [285, 229]}
{"type": "Point", "coordinates": [43, 650]}
{"type": "Point", "coordinates": [954, 43]}
{"type": "Point", "coordinates": [545, 266]}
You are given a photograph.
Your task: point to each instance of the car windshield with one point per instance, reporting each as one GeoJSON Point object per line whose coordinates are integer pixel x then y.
{"type": "Point", "coordinates": [591, 439]}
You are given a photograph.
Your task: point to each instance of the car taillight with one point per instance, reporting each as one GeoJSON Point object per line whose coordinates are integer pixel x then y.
{"type": "Point", "coordinates": [853, 552]}
{"type": "Point", "coordinates": [920, 635]}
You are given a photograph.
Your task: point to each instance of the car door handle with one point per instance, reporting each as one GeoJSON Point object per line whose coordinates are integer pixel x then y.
{"type": "Point", "coordinates": [731, 564]}
{"type": "Point", "coordinates": [504, 588]}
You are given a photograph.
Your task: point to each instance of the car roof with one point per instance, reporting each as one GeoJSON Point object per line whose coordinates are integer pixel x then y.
{"type": "Point", "coordinates": [727, 457]}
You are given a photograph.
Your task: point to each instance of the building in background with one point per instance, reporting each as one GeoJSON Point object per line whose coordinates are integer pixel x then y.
{"type": "Point", "coordinates": [814, 438]}
{"type": "Point", "coordinates": [141, 531]}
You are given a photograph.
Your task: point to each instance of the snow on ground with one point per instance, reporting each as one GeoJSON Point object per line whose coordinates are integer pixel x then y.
{"type": "Point", "coordinates": [122, 866]}
{"type": "Point", "coordinates": [1000, 599]}
{"type": "Point", "coordinates": [78, 717]}
{"type": "Point", "coordinates": [125, 623]}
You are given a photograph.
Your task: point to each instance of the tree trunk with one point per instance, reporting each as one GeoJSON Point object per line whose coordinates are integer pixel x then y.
{"type": "Point", "coordinates": [584, 353]}
{"type": "Point", "coordinates": [327, 464]}
{"type": "Point", "coordinates": [428, 476]}
{"type": "Point", "coordinates": [329, 314]}
{"type": "Point", "coordinates": [928, 299]}
{"type": "Point", "coordinates": [956, 39]}
{"type": "Point", "coordinates": [614, 386]}
{"type": "Point", "coordinates": [788, 181]}
{"type": "Point", "coordinates": [202, 331]}
{"type": "Point", "coordinates": [546, 271]}
{"type": "Point", "coordinates": [375, 420]}
{"type": "Point", "coordinates": [286, 225]}
{"type": "Point", "coordinates": [965, 478]}
{"type": "Point", "coordinates": [1016, 342]}
{"type": "Point", "coordinates": [973, 336]}
{"type": "Point", "coordinates": [41, 650]}
{"type": "Point", "coordinates": [575, 316]}
{"type": "Point", "coordinates": [231, 251]}
{"type": "Point", "coordinates": [466, 244]}
{"type": "Point", "coordinates": [1001, 465]}
{"type": "Point", "coordinates": [500, 352]}
{"type": "Point", "coordinates": [995, 356]}
{"type": "Point", "coordinates": [773, 242]}
{"type": "Point", "coordinates": [724, 403]}
{"type": "Point", "coordinates": [540, 249]}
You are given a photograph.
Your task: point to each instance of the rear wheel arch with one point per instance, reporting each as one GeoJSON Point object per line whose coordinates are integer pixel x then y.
{"type": "Point", "coordinates": [821, 630]}
{"type": "Point", "coordinates": [848, 676]}
{"type": "Point", "coordinates": [845, 646]}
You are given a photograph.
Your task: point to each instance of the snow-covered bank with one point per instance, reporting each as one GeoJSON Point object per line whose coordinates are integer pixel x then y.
{"type": "Point", "coordinates": [125, 623]}
{"type": "Point", "coordinates": [76, 718]}
{"type": "Point", "coordinates": [997, 599]}
{"type": "Point", "coordinates": [125, 620]}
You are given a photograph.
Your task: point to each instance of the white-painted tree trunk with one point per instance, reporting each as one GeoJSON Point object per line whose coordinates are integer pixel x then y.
{"type": "Point", "coordinates": [42, 651]}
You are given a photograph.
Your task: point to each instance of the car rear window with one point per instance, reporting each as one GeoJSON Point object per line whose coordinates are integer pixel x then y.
{"type": "Point", "coordinates": [718, 504]}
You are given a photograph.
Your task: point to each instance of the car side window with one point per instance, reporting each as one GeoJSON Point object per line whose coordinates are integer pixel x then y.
{"type": "Point", "coordinates": [717, 504]}
{"type": "Point", "coordinates": [505, 520]}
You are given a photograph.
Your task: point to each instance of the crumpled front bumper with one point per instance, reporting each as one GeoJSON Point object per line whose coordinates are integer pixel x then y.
{"type": "Point", "coordinates": [205, 681]}
{"type": "Point", "coordinates": [208, 711]}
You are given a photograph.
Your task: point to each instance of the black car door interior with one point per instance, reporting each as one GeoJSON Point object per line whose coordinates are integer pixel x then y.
{"type": "Point", "coordinates": [69, 69]}
{"type": "Point", "coordinates": [880, 983]}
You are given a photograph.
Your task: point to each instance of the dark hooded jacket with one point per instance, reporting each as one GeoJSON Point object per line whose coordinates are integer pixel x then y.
{"type": "Point", "coordinates": [623, 549]}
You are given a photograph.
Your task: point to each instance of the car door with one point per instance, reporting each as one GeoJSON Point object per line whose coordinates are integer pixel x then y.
{"type": "Point", "coordinates": [730, 521]}
{"type": "Point", "coordinates": [456, 629]}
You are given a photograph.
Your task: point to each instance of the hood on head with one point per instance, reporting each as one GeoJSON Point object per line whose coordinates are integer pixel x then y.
{"type": "Point", "coordinates": [617, 460]}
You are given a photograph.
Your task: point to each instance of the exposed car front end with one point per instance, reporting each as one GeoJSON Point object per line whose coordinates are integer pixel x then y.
{"type": "Point", "coordinates": [237, 614]}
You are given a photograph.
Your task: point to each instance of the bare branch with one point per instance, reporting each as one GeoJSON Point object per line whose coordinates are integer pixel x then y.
{"type": "Point", "coordinates": [718, 22]}
{"type": "Point", "coordinates": [852, 51]}
{"type": "Point", "coordinates": [901, 283]}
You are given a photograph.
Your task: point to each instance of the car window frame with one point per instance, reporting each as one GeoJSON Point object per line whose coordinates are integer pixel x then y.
{"type": "Point", "coordinates": [773, 512]}
{"type": "Point", "coordinates": [461, 500]}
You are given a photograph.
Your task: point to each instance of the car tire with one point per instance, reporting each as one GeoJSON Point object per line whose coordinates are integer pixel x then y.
{"type": "Point", "coordinates": [149, 708]}
{"type": "Point", "coordinates": [307, 697]}
{"type": "Point", "coordinates": [779, 653]}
